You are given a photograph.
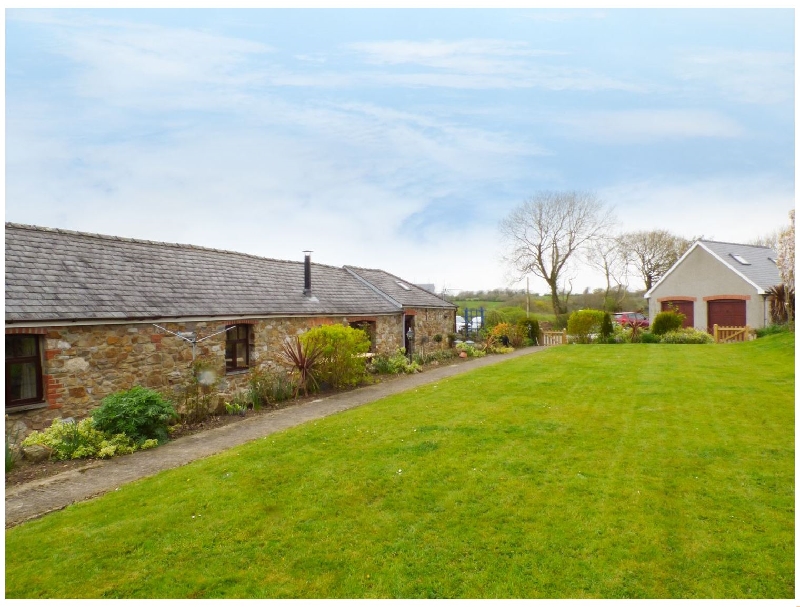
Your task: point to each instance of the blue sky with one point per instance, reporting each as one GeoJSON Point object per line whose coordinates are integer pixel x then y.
{"type": "Point", "coordinates": [396, 139]}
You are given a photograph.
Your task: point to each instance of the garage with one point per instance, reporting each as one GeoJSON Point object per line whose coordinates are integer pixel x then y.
{"type": "Point", "coordinates": [682, 307]}
{"type": "Point", "coordinates": [727, 313]}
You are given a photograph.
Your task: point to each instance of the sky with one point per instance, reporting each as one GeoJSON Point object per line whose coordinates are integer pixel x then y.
{"type": "Point", "coordinates": [396, 139]}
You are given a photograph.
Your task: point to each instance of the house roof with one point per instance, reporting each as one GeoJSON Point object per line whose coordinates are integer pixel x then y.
{"type": "Point", "coordinates": [403, 292]}
{"type": "Point", "coordinates": [62, 275]}
{"type": "Point", "coordinates": [761, 271]}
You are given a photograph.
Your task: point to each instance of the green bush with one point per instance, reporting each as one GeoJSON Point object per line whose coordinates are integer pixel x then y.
{"type": "Point", "coordinates": [606, 327]}
{"type": "Point", "coordinates": [667, 321]}
{"type": "Point", "coordinates": [70, 440]}
{"type": "Point", "coordinates": [138, 413]}
{"type": "Point", "coordinates": [686, 336]}
{"type": "Point", "coordinates": [529, 329]}
{"type": "Point", "coordinates": [583, 323]}
{"type": "Point", "coordinates": [471, 350]}
{"type": "Point", "coordinates": [341, 363]}
{"type": "Point", "coordinates": [267, 388]}
{"type": "Point", "coordinates": [776, 328]}
{"type": "Point", "coordinates": [513, 315]}
{"type": "Point", "coordinates": [394, 364]}
{"type": "Point", "coordinates": [492, 318]}
{"type": "Point", "coordinates": [649, 338]}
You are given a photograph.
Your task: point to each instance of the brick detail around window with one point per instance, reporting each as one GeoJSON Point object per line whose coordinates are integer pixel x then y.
{"type": "Point", "coordinates": [737, 297]}
{"type": "Point", "coordinates": [676, 298]}
{"type": "Point", "coordinates": [26, 331]}
{"type": "Point", "coordinates": [53, 392]}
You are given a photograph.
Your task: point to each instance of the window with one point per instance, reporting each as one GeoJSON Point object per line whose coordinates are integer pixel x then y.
{"type": "Point", "coordinates": [740, 259]}
{"type": "Point", "coordinates": [23, 370]}
{"type": "Point", "coordinates": [237, 348]}
{"type": "Point", "coordinates": [403, 285]}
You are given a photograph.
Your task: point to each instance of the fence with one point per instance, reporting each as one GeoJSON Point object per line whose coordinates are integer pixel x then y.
{"type": "Point", "coordinates": [554, 338]}
{"type": "Point", "coordinates": [473, 321]}
{"type": "Point", "coordinates": [724, 335]}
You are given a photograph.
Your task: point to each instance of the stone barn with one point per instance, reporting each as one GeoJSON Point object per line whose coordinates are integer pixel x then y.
{"type": "Point", "coordinates": [88, 315]}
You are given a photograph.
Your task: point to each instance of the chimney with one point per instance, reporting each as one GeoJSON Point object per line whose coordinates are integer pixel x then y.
{"type": "Point", "coordinates": [307, 283]}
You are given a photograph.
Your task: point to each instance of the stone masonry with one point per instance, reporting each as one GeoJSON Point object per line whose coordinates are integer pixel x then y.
{"type": "Point", "coordinates": [82, 364]}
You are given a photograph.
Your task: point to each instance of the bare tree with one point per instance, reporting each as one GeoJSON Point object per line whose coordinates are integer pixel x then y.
{"type": "Point", "coordinates": [785, 262]}
{"type": "Point", "coordinates": [651, 254]}
{"type": "Point", "coordinates": [767, 240]}
{"type": "Point", "coordinates": [546, 231]}
{"type": "Point", "coordinates": [606, 254]}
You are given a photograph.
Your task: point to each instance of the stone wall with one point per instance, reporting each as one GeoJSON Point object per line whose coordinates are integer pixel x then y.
{"type": "Point", "coordinates": [429, 322]}
{"type": "Point", "coordinates": [84, 364]}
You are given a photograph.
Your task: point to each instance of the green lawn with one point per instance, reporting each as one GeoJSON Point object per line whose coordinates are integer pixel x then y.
{"type": "Point", "coordinates": [583, 471]}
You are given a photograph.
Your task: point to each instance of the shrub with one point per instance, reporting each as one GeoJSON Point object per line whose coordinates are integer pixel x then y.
{"type": "Point", "coordinates": [196, 396]}
{"type": "Point", "coordinates": [667, 321]}
{"type": "Point", "coordinates": [394, 364]}
{"type": "Point", "coordinates": [649, 338]}
{"type": "Point", "coordinates": [493, 318]}
{"type": "Point", "coordinates": [583, 323]}
{"type": "Point", "coordinates": [341, 363]}
{"type": "Point", "coordinates": [70, 440]}
{"type": "Point", "coordinates": [470, 349]}
{"type": "Point", "coordinates": [606, 327]}
{"type": "Point", "coordinates": [139, 413]}
{"type": "Point", "coordinates": [433, 357]}
{"type": "Point", "coordinates": [304, 362]}
{"type": "Point", "coordinates": [776, 328]}
{"type": "Point", "coordinates": [686, 336]}
{"type": "Point", "coordinates": [267, 388]}
{"type": "Point", "coordinates": [529, 329]}
{"type": "Point", "coordinates": [513, 315]}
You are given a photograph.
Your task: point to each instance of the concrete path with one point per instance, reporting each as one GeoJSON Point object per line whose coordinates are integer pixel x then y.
{"type": "Point", "coordinates": [34, 499]}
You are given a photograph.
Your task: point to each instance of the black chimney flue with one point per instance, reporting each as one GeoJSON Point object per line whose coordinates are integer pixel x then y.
{"type": "Point", "coordinates": [307, 283]}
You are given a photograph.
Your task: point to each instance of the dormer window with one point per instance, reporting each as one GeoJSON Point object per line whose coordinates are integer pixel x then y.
{"type": "Point", "coordinates": [740, 259]}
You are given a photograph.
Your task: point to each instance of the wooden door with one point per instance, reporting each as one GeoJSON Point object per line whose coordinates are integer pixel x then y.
{"type": "Point", "coordinates": [727, 313]}
{"type": "Point", "coordinates": [683, 307]}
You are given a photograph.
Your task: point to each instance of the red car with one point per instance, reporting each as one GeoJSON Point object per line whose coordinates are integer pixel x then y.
{"type": "Point", "coordinates": [623, 318]}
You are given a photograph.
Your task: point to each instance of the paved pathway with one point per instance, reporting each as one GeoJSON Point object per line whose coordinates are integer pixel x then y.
{"type": "Point", "coordinates": [39, 497]}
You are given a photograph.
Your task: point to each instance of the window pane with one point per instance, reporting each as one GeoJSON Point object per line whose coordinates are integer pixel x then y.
{"type": "Point", "coordinates": [230, 348]}
{"type": "Point", "coordinates": [22, 380]}
{"type": "Point", "coordinates": [20, 345]}
{"type": "Point", "coordinates": [241, 354]}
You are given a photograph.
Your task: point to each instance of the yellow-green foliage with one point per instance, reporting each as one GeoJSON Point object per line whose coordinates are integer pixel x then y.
{"type": "Point", "coordinates": [81, 440]}
{"type": "Point", "coordinates": [582, 323]}
{"type": "Point", "coordinates": [341, 363]}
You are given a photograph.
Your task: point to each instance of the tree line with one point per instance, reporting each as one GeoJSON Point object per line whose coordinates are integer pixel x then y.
{"type": "Point", "coordinates": [550, 233]}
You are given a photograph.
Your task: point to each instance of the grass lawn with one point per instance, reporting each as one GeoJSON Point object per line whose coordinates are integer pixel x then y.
{"type": "Point", "coordinates": [583, 471]}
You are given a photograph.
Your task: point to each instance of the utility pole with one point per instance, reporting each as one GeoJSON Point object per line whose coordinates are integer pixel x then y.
{"type": "Point", "coordinates": [527, 297]}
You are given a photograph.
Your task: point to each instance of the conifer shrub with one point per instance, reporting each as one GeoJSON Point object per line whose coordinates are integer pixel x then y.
{"type": "Point", "coordinates": [667, 321]}
{"type": "Point", "coordinates": [606, 327]}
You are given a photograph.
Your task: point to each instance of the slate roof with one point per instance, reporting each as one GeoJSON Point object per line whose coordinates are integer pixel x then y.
{"type": "Point", "coordinates": [761, 272]}
{"type": "Point", "coordinates": [409, 295]}
{"type": "Point", "coordinates": [57, 275]}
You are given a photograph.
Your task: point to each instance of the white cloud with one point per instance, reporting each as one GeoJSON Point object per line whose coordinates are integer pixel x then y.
{"type": "Point", "coordinates": [650, 125]}
{"type": "Point", "coordinates": [759, 77]}
{"type": "Point", "coordinates": [479, 64]}
{"type": "Point", "coordinates": [730, 208]}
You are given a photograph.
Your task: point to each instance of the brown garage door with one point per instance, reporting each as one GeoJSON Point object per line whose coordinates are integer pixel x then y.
{"type": "Point", "coordinates": [726, 313]}
{"type": "Point", "coordinates": [684, 307]}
